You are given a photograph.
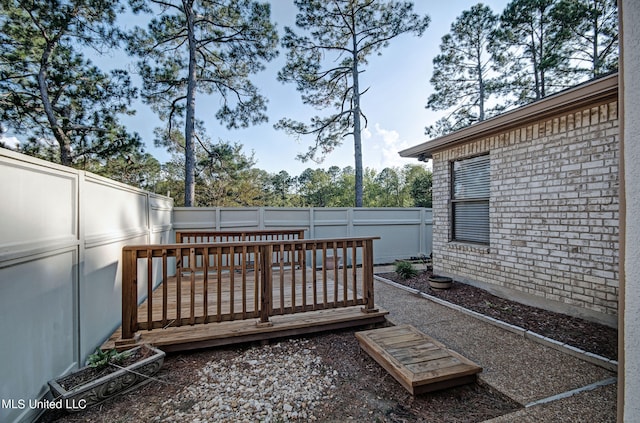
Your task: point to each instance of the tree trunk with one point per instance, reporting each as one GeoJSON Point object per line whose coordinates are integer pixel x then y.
{"type": "Point", "coordinates": [481, 87]}
{"type": "Point", "coordinates": [357, 136]}
{"type": "Point", "coordinates": [543, 40]}
{"type": "Point", "coordinates": [534, 58]}
{"type": "Point", "coordinates": [63, 140]}
{"type": "Point", "coordinates": [189, 144]}
{"type": "Point", "coordinates": [596, 59]}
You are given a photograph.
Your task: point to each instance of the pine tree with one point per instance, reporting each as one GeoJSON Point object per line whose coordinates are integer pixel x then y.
{"type": "Point", "coordinates": [531, 40]}
{"type": "Point", "coordinates": [594, 40]}
{"type": "Point", "coordinates": [50, 92]}
{"type": "Point", "coordinates": [197, 47]}
{"type": "Point", "coordinates": [464, 77]}
{"type": "Point", "coordinates": [326, 63]}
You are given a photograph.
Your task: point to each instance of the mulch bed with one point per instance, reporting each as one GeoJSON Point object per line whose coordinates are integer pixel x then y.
{"type": "Point", "coordinates": [588, 336]}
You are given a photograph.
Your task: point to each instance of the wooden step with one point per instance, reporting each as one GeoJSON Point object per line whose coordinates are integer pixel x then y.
{"type": "Point", "coordinates": [420, 363]}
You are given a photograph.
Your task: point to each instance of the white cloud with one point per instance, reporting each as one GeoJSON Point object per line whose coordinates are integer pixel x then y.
{"type": "Point", "coordinates": [382, 149]}
{"type": "Point", "coordinates": [10, 141]}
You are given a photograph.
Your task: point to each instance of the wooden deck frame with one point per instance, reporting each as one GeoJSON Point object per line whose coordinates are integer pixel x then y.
{"type": "Point", "coordinates": [208, 335]}
{"type": "Point", "coordinates": [267, 278]}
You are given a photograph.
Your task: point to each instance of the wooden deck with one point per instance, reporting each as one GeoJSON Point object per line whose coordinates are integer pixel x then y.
{"type": "Point", "coordinates": [237, 294]}
{"type": "Point", "coordinates": [420, 363]}
{"type": "Point", "coordinates": [233, 309]}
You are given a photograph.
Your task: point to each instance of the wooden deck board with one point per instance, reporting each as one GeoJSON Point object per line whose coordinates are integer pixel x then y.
{"type": "Point", "coordinates": [418, 362]}
{"type": "Point", "coordinates": [192, 336]}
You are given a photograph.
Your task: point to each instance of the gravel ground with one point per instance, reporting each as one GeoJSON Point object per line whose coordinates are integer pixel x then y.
{"type": "Point", "coordinates": [588, 336]}
{"type": "Point", "coordinates": [279, 382]}
{"type": "Point", "coordinates": [326, 377]}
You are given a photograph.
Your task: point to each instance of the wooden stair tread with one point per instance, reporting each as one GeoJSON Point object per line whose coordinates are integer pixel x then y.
{"type": "Point", "coordinates": [417, 361]}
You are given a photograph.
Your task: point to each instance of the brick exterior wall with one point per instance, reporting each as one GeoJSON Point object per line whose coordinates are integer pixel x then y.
{"type": "Point", "coordinates": [553, 214]}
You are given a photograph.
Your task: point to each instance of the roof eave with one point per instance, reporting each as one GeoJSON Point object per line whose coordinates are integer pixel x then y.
{"type": "Point", "coordinates": [582, 95]}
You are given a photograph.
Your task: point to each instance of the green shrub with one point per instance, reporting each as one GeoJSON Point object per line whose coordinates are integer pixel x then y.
{"type": "Point", "coordinates": [100, 359]}
{"type": "Point", "coordinates": [405, 270]}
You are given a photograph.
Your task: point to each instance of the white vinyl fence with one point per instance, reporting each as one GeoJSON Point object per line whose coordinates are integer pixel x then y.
{"type": "Point", "coordinates": [403, 232]}
{"type": "Point", "coordinates": [61, 238]}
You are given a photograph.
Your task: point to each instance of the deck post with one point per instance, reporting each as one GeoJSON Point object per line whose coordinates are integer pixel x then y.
{"type": "Point", "coordinates": [299, 254]}
{"type": "Point", "coordinates": [367, 276]}
{"type": "Point", "coordinates": [129, 294]}
{"type": "Point", "coordinates": [266, 257]}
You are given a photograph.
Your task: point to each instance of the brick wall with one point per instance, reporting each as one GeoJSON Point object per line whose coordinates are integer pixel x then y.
{"type": "Point", "coordinates": [553, 214]}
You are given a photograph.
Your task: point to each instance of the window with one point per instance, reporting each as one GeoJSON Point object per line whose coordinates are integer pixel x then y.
{"type": "Point", "coordinates": [470, 199]}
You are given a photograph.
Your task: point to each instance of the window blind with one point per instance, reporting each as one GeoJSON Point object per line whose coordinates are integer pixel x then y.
{"type": "Point", "coordinates": [470, 206]}
{"type": "Point", "coordinates": [471, 222]}
{"type": "Point", "coordinates": [471, 178]}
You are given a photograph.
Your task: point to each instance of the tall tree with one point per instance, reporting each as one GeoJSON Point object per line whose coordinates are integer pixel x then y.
{"type": "Point", "coordinates": [464, 72]}
{"type": "Point", "coordinates": [594, 42]}
{"type": "Point", "coordinates": [225, 176]}
{"type": "Point", "coordinates": [280, 185]}
{"type": "Point", "coordinates": [224, 172]}
{"type": "Point", "coordinates": [388, 187]}
{"type": "Point", "coordinates": [138, 169]}
{"type": "Point", "coordinates": [348, 31]}
{"type": "Point", "coordinates": [418, 183]}
{"type": "Point", "coordinates": [208, 48]}
{"type": "Point", "coordinates": [316, 188]}
{"type": "Point", "coordinates": [50, 91]}
{"type": "Point", "coordinates": [532, 38]}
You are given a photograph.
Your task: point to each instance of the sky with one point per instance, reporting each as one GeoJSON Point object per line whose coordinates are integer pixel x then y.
{"type": "Point", "coordinates": [399, 87]}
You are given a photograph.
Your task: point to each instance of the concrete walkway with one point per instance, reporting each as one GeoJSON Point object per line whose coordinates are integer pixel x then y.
{"type": "Point", "coordinates": [552, 386]}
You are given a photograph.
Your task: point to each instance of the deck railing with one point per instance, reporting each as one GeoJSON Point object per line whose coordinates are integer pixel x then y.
{"type": "Point", "coordinates": [205, 237]}
{"type": "Point", "coordinates": [208, 237]}
{"type": "Point", "coordinates": [188, 284]}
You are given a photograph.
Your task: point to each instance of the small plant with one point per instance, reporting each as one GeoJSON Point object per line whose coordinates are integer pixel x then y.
{"type": "Point", "coordinates": [405, 270]}
{"type": "Point", "coordinates": [101, 358]}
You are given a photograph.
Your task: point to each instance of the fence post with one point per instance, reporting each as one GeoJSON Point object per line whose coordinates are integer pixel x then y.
{"type": "Point", "coordinates": [367, 276]}
{"type": "Point", "coordinates": [129, 296]}
{"type": "Point", "coordinates": [266, 256]}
